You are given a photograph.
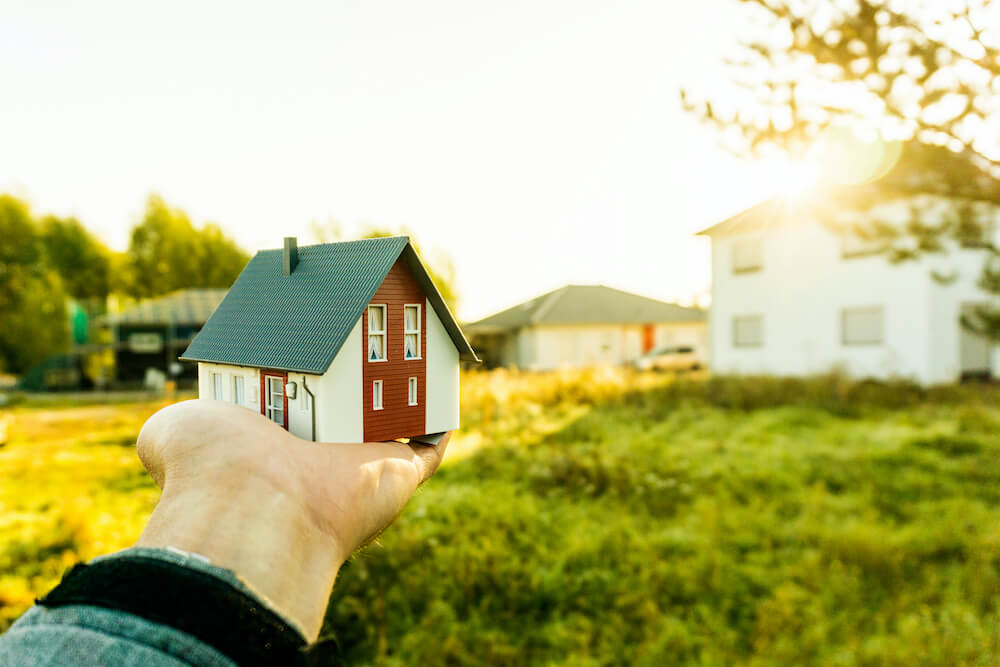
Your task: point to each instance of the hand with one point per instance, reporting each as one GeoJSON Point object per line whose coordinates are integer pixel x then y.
{"type": "Point", "coordinates": [281, 512]}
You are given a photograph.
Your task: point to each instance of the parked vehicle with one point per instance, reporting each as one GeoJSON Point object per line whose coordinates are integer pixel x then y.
{"type": "Point", "coordinates": [673, 358]}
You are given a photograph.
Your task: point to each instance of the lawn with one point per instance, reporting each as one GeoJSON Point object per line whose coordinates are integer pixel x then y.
{"type": "Point", "coordinates": [610, 518]}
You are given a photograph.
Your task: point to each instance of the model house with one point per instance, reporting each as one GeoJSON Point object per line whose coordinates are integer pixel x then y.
{"type": "Point", "coordinates": [587, 325]}
{"type": "Point", "coordinates": [793, 294]}
{"type": "Point", "coordinates": [337, 342]}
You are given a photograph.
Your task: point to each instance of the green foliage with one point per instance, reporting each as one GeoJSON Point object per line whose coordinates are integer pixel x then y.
{"type": "Point", "coordinates": [166, 253]}
{"type": "Point", "coordinates": [82, 262]}
{"type": "Point", "coordinates": [623, 520]}
{"type": "Point", "coordinates": [33, 322]}
{"type": "Point", "coordinates": [616, 518]}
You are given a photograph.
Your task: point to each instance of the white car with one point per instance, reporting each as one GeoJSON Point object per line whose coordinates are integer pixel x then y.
{"type": "Point", "coordinates": [673, 358]}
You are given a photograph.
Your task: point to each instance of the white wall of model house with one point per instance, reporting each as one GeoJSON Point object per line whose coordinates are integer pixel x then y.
{"type": "Point", "coordinates": [338, 392]}
{"type": "Point", "coordinates": [808, 299]}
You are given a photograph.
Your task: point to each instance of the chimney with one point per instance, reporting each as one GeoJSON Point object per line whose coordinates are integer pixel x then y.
{"type": "Point", "coordinates": [290, 258]}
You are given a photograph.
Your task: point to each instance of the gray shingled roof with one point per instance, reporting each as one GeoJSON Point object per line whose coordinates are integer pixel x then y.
{"type": "Point", "coordinates": [299, 322]}
{"type": "Point", "coordinates": [187, 306]}
{"type": "Point", "coordinates": [586, 304]}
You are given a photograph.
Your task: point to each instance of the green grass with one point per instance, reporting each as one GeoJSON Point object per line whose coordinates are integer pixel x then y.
{"type": "Point", "coordinates": [610, 518]}
{"type": "Point", "coordinates": [653, 527]}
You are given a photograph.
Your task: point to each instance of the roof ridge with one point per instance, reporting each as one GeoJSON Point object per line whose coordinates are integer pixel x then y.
{"type": "Point", "coordinates": [553, 298]}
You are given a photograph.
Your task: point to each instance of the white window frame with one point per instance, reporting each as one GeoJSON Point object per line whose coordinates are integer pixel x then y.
{"type": "Point", "coordinates": [377, 398]}
{"type": "Point", "coordinates": [239, 390]}
{"type": "Point", "coordinates": [749, 267]}
{"type": "Point", "coordinates": [217, 386]}
{"type": "Point", "coordinates": [382, 333]}
{"type": "Point", "coordinates": [845, 312]}
{"type": "Point", "coordinates": [409, 332]}
{"type": "Point", "coordinates": [736, 340]}
{"type": "Point", "coordinates": [411, 388]}
{"type": "Point", "coordinates": [270, 408]}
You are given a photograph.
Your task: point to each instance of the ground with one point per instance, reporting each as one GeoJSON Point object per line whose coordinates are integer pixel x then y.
{"type": "Point", "coordinates": [615, 518]}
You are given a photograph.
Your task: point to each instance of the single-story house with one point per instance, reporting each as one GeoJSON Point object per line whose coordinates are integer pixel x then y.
{"type": "Point", "coordinates": [150, 334]}
{"type": "Point", "coordinates": [577, 326]}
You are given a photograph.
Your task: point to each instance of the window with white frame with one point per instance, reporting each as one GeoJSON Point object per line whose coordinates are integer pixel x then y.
{"type": "Point", "coordinates": [377, 395]}
{"type": "Point", "coordinates": [413, 391]}
{"type": "Point", "coordinates": [411, 332]}
{"type": "Point", "coordinates": [376, 333]}
{"type": "Point", "coordinates": [748, 331]}
{"type": "Point", "coordinates": [748, 255]}
{"type": "Point", "coordinates": [238, 392]}
{"type": "Point", "coordinates": [862, 326]}
{"type": "Point", "coordinates": [217, 386]}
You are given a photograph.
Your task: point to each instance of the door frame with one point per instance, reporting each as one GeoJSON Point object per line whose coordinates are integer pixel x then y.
{"type": "Point", "coordinates": [284, 394]}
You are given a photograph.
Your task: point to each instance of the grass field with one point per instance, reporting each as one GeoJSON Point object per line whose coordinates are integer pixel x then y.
{"type": "Point", "coordinates": [611, 518]}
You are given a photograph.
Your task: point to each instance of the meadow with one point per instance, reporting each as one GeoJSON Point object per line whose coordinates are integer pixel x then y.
{"type": "Point", "coordinates": [612, 518]}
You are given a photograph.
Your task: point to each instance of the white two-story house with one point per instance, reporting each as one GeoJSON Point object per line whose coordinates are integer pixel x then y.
{"type": "Point", "coordinates": [793, 294]}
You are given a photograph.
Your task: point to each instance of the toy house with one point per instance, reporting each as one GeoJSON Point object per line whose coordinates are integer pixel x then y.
{"type": "Point", "coordinates": [337, 342]}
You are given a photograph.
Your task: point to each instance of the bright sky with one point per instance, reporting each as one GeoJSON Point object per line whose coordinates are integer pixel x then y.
{"type": "Point", "coordinates": [538, 142]}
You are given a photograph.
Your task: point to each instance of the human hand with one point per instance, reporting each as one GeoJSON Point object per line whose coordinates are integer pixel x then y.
{"type": "Point", "coordinates": [281, 512]}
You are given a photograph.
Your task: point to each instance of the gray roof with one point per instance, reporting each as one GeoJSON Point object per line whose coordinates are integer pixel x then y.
{"type": "Point", "coordinates": [187, 306]}
{"type": "Point", "coordinates": [299, 322]}
{"type": "Point", "coordinates": [586, 304]}
{"type": "Point", "coordinates": [768, 214]}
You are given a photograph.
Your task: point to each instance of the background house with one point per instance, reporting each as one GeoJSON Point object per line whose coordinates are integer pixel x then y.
{"type": "Point", "coordinates": [154, 332]}
{"type": "Point", "coordinates": [584, 325]}
{"type": "Point", "coordinates": [794, 295]}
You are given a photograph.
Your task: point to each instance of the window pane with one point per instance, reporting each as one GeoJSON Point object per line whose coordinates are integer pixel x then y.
{"type": "Point", "coordinates": [238, 390]}
{"type": "Point", "coordinates": [375, 346]}
{"type": "Point", "coordinates": [862, 326]}
{"type": "Point", "coordinates": [748, 255]}
{"type": "Point", "coordinates": [277, 416]}
{"type": "Point", "coordinates": [411, 318]}
{"type": "Point", "coordinates": [413, 391]}
{"type": "Point", "coordinates": [217, 386]}
{"type": "Point", "coordinates": [411, 346]}
{"type": "Point", "coordinates": [377, 395]}
{"type": "Point", "coordinates": [376, 319]}
{"type": "Point", "coordinates": [748, 331]}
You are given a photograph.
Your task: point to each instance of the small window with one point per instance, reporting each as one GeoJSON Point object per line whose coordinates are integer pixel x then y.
{"type": "Point", "coordinates": [217, 386]}
{"type": "Point", "coordinates": [411, 332]}
{"type": "Point", "coordinates": [748, 331]}
{"type": "Point", "coordinates": [862, 326]}
{"type": "Point", "coordinates": [377, 395]}
{"type": "Point", "coordinates": [748, 256]}
{"type": "Point", "coordinates": [376, 333]}
{"type": "Point", "coordinates": [413, 391]}
{"type": "Point", "coordinates": [853, 245]}
{"type": "Point", "coordinates": [238, 389]}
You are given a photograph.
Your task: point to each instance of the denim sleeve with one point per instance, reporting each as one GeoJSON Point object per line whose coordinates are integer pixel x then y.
{"type": "Point", "coordinates": [89, 635]}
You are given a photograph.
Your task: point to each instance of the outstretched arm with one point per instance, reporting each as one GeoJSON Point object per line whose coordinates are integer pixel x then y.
{"type": "Point", "coordinates": [282, 513]}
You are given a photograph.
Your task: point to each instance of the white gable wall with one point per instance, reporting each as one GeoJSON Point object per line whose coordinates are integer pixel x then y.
{"type": "Point", "coordinates": [251, 383]}
{"type": "Point", "coordinates": [339, 416]}
{"type": "Point", "coordinates": [804, 285]}
{"type": "Point", "coordinates": [442, 393]}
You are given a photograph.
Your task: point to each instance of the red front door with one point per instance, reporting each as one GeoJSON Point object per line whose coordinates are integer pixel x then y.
{"type": "Point", "coordinates": [273, 401]}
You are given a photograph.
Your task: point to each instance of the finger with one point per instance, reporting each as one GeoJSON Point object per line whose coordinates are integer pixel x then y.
{"type": "Point", "coordinates": [429, 457]}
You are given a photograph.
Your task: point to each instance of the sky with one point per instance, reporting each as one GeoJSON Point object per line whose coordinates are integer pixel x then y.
{"type": "Point", "coordinates": [536, 143]}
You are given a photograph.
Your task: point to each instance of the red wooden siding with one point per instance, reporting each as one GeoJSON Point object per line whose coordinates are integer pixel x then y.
{"type": "Point", "coordinates": [396, 419]}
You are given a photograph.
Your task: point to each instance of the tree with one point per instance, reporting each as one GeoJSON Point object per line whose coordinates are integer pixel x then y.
{"type": "Point", "coordinates": [166, 253]}
{"type": "Point", "coordinates": [922, 73]}
{"type": "Point", "coordinates": [82, 262]}
{"type": "Point", "coordinates": [439, 264]}
{"type": "Point", "coordinates": [32, 300]}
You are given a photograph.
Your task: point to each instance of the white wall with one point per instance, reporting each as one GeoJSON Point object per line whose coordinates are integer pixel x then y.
{"type": "Point", "coordinates": [442, 391]}
{"type": "Point", "coordinates": [339, 415]}
{"type": "Point", "coordinates": [575, 346]}
{"type": "Point", "coordinates": [804, 285]}
{"type": "Point", "coordinates": [251, 383]}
